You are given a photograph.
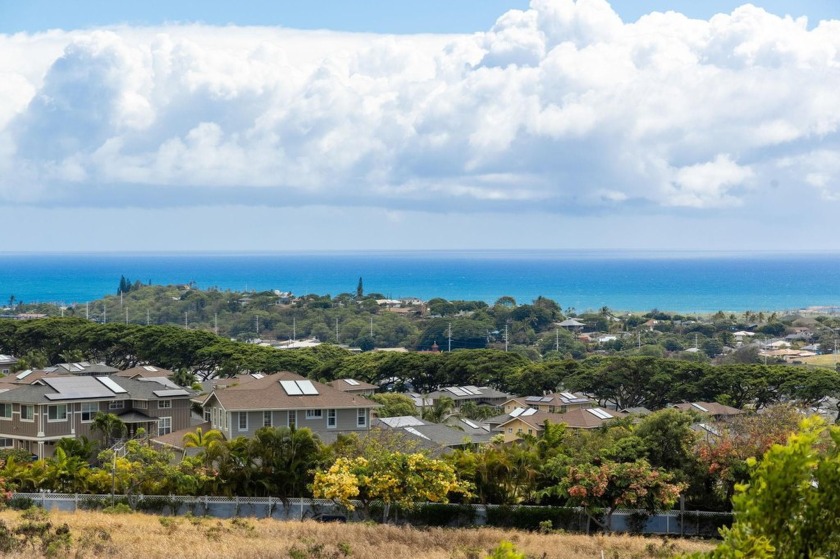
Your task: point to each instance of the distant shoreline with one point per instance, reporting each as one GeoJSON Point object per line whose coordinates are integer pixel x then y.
{"type": "Point", "coordinates": [683, 282]}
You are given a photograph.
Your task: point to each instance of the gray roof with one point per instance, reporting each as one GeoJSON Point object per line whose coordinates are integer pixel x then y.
{"type": "Point", "coordinates": [75, 389]}
{"type": "Point", "coordinates": [439, 434]}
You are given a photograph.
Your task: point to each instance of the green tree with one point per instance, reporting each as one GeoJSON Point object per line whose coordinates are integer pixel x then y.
{"type": "Point", "coordinates": [360, 289]}
{"type": "Point", "coordinates": [394, 405]}
{"type": "Point", "coordinates": [790, 509]}
{"type": "Point", "coordinates": [201, 439]}
{"type": "Point", "coordinates": [109, 426]}
{"type": "Point", "coordinates": [610, 485]}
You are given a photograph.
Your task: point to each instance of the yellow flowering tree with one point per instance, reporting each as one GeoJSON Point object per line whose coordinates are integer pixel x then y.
{"type": "Point", "coordinates": [393, 478]}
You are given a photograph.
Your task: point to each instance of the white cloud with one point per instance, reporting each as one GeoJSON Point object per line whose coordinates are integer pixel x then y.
{"type": "Point", "coordinates": [561, 107]}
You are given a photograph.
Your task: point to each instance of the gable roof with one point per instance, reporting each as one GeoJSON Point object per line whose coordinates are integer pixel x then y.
{"type": "Point", "coordinates": [578, 418]}
{"type": "Point", "coordinates": [268, 393]}
{"type": "Point", "coordinates": [60, 389]}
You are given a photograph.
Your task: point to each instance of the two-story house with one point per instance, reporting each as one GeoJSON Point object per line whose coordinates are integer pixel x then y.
{"type": "Point", "coordinates": [561, 402]}
{"type": "Point", "coordinates": [34, 417]}
{"type": "Point", "coordinates": [287, 400]}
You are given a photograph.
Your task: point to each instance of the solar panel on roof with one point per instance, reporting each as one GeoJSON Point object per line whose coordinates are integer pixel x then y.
{"type": "Point", "coordinates": [258, 376]}
{"type": "Point", "coordinates": [111, 385]}
{"type": "Point", "coordinates": [24, 374]}
{"type": "Point", "coordinates": [401, 421]}
{"type": "Point", "coordinates": [529, 411]}
{"type": "Point", "coordinates": [470, 423]}
{"type": "Point", "coordinates": [568, 395]}
{"type": "Point", "coordinates": [307, 387]}
{"type": "Point", "coordinates": [291, 387]}
{"type": "Point", "coordinates": [351, 382]}
{"type": "Point", "coordinates": [170, 393]}
{"type": "Point", "coordinates": [547, 399]}
{"type": "Point", "coordinates": [414, 431]}
{"type": "Point", "coordinates": [77, 387]}
{"type": "Point", "coordinates": [150, 368]}
{"type": "Point", "coordinates": [599, 413]}
{"type": "Point", "coordinates": [533, 399]}
{"type": "Point", "coordinates": [517, 412]}
{"type": "Point", "coordinates": [455, 390]}
{"type": "Point", "coordinates": [701, 408]}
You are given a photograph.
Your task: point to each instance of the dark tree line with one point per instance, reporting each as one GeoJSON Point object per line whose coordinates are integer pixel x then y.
{"type": "Point", "coordinates": [621, 381]}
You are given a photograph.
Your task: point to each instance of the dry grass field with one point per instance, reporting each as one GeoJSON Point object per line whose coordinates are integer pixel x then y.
{"type": "Point", "coordinates": [141, 536]}
{"type": "Point", "coordinates": [827, 360]}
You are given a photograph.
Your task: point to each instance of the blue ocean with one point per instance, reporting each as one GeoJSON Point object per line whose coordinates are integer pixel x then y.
{"type": "Point", "coordinates": [682, 282]}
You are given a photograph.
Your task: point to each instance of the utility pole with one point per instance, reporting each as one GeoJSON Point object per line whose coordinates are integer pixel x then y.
{"type": "Point", "coordinates": [506, 337]}
{"type": "Point", "coordinates": [294, 328]}
{"type": "Point", "coordinates": [449, 348]}
{"type": "Point", "coordinates": [104, 314]}
{"type": "Point", "coordinates": [557, 340]}
{"type": "Point", "coordinates": [371, 327]}
{"type": "Point", "coordinates": [186, 321]}
{"type": "Point", "coordinates": [87, 311]}
{"type": "Point", "coordinates": [336, 330]}
{"type": "Point", "coordinates": [216, 323]}
{"type": "Point", "coordinates": [148, 318]}
{"type": "Point", "coordinates": [126, 315]}
{"type": "Point", "coordinates": [257, 318]}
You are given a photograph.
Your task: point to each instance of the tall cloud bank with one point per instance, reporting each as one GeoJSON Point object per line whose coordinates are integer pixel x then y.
{"type": "Point", "coordinates": [562, 107]}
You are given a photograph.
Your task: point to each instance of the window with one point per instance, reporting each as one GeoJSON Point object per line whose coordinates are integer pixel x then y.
{"type": "Point", "coordinates": [7, 443]}
{"type": "Point", "coordinates": [361, 417]}
{"type": "Point", "coordinates": [140, 404]}
{"type": "Point", "coordinates": [164, 426]}
{"type": "Point", "coordinates": [313, 414]}
{"type": "Point", "coordinates": [5, 411]}
{"type": "Point", "coordinates": [164, 404]}
{"type": "Point", "coordinates": [292, 421]}
{"type": "Point", "coordinates": [331, 419]}
{"type": "Point", "coordinates": [510, 429]}
{"type": "Point", "coordinates": [89, 411]}
{"type": "Point", "coordinates": [57, 413]}
{"type": "Point", "coordinates": [116, 405]}
{"type": "Point", "coordinates": [207, 415]}
{"type": "Point", "coordinates": [266, 419]}
{"type": "Point", "coordinates": [243, 421]}
{"type": "Point", "coordinates": [27, 413]}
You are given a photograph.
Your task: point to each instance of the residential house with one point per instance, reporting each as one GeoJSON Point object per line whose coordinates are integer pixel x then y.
{"type": "Point", "coordinates": [481, 395]}
{"type": "Point", "coordinates": [352, 386]}
{"type": "Point", "coordinates": [7, 363]}
{"type": "Point", "coordinates": [529, 421]}
{"type": "Point", "coordinates": [287, 400]}
{"type": "Point", "coordinates": [34, 417]}
{"type": "Point", "coordinates": [559, 402]}
{"type": "Point", "coordinates": [82, 368]}
{"type": "Point", "coordinates": [436, 436]}
{"type": "Point", "coordinates": [710, 409]}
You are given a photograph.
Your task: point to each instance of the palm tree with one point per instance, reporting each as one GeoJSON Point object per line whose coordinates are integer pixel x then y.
{"type": "Point", "coordinates": [200, 439]}
{"type": "Point", "coordinates": [440, 410]}
{"type": "Point", "coordinates": [109, 426]}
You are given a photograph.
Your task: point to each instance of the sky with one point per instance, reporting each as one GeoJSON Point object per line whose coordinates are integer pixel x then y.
{"type": "Point", "coordinates": [478, 124]}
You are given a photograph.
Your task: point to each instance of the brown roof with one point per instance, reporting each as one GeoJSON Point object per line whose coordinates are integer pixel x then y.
{"type": "Point", "coordinates": [175, 439]}
{"type": "Point", "coordinates": [268, 394]}
{"type": "Point", "coordinates": [145, 371]}
{"type": "Point", "coordinates": [344, 386]}
{"type": "Point", "coordinates": [578, 418]}
{"type": "Point", "coordinates": [709, 408]}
